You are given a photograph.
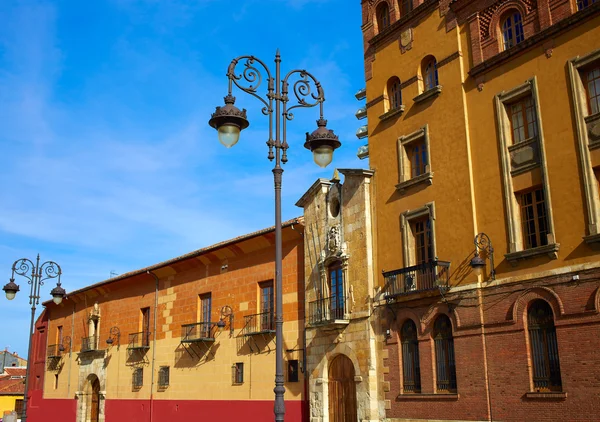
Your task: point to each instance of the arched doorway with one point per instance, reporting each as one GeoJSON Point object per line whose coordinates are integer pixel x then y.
{"type": "Point", "coordinates": [342, 390]}
{"type": "Point", "coordinates": [93, 399]}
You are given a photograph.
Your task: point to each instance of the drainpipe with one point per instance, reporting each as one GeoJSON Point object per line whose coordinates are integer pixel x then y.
{"type": "Point", "coordinates": [153, 344]}
{"type": "Point", "coordinates": [70, 350]}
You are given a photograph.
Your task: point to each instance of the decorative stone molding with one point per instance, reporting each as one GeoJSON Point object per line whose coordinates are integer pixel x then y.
{"type": "Point", "coordinates": [404, 179]}
{"type": "Point", "coordinates": [550, 250]}
{"type": "Point", "coordinates": [586, 138]}
{"type": "Point", "coordinates": [407, 237]}
{"type": "Point", "coordinates": [513, 216]}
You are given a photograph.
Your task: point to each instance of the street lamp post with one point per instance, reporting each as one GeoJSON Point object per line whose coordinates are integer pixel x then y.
{"type": "Point", "coordinates": [230, 121]}
{"type": "Point", "coordinates": [35, 275]}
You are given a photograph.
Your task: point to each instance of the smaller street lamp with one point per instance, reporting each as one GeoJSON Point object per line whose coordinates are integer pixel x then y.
{"type": "Point", "coordinates": [36, 274]}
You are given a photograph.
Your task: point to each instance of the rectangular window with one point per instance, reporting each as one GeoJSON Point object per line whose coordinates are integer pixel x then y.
{"type": "Point", "coordinates": [19, 408]}
{"type": "Point", "coordinates": [137, 380]}
{"type": "Point", "coordinates": [55, 381]}
{"type": "Point", "coordinates": [533, 218]}
{"type": "Point", "coordinates": [267, 320]}
{"type": "Point", "coordinates": [145, 327]}
{"type": "Point", "coordinates": [417, 153]}
{"type": "Point", "coordinates": [582, 4]}
{"type": "Point", "coordinates": [163, 377]}
{"type": "Point", "coordinates": [423, 245]}
{"type": "Point", "coordinates": [293, 370]}
{"type": "Point", "coordinates": [591, 83]}
{"type": "Point", "coordinates": [414, 162]}
{"type": "Point", "coordinates": [523, 120]}
{"type": "Point", "coordinates": [205, 315]}
{"type": "Point", "coordinates": [59, 334]}
{"type": "Point", "coordinates": [336, 289]}
{"type": "Point", "coordinates": [238, 373]}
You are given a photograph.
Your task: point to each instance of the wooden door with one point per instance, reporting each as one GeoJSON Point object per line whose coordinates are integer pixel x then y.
{"type": "Point", "coordinates": [95, 405]}
{"type": "Point", "coordinates": [145, 340]}
{"type": "Point", "coordinates": [342, 391]}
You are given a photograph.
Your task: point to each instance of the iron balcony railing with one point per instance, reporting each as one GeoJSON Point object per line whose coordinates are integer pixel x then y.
{"type": "Point", "coordinates": [88, 344]}
{"type": "Point", "coordinates": [418, 278]}
{"type": "Point", "coordinates": [139, 340]}
{"type": "Point", "coordinates": [327, 310]}
{"type": "Point", "coordinates": [262, 323]}
{"type": "Point", "coordinates": [200, 331]}
{"type": "Point", "coordinates": [55, 350]}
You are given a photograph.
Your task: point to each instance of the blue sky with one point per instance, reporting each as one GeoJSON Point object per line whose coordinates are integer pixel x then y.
{"type": "Point", "coordinates": [107, 162]}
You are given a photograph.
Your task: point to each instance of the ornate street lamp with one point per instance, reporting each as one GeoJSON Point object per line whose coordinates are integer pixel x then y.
{"type": "Point", "coordinates": [35, 274]}
{"type": "Point", "coordinates": [230, 121]}
{"type": "Point", "coordinates": [483, 243]}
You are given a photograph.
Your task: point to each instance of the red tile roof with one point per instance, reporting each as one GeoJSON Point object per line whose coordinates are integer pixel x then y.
{"type": "Point", "coordinates": [9, 386]}
{"type": "Point", "coordinates": [16, 371]}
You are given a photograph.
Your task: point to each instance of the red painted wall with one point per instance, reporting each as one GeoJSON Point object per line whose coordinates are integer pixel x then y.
{"type": "Point", "coordinates": [63, 410]}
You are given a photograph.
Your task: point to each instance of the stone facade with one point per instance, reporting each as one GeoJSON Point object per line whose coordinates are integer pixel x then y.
{"type": "Point", "coordinates": [338, 240]}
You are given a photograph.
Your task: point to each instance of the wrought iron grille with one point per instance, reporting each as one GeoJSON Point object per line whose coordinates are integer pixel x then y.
{"type": "Point", "coordinates": [422, 277]}
{"type": "Point", "coordinates": [88, 344]}
{"type": "Point", "coordinates": [259, 323]}
{"type": "Point", "coordinates": [163, 377]}
{"type": "Point", "coordinates": [137, 378]}
{"type": "Point", "coordinates": [238, 373]}
{"type": "Point", "coordinates": [446, 366]}
{"type": "Point", "coordinates": [327, 310]}
{"type": "Point", "coordinates": [55, 350]}
{"type": "Point", "coordinates": [139, 340]}
{"type": "Point", "coordinates": [200, 331]}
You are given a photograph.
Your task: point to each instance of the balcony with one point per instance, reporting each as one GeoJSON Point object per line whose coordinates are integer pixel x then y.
{"type": "Point", "coordinates": [328, 311]}
{"type": "Point", "coordinates": [430, 276]}
{"type": "Point", "coordinates": [139, 341]}
{"type": "Point", "coordinates": [263, 323]}
{"type": "Point", "coordinates": [55, 351]}
{"type": "Point", "coordinates": [88, 344]}
{"type": "Point", "coordinates": [197, 332]}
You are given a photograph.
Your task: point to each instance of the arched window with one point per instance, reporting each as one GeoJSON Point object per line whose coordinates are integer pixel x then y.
{"type": "Point", "coordinates": [582, 4]}
{"type": "Point", "coordinates": [410, 358]}
{"type": "Point", "coordinates": [336, 290]}
{"type": "Point", "coordinates": [405, 7]}
{"type": "Point", "coordinates": [394, 93]}
{"type": "Point", "coordinates": [444, 355]}
{"type": "Point", "coordinates": [544, 347]}
{"type": "Point", "coordinates": [512, 29]}
{"type": "Point", "coordinates": [429, 72]}
{"type": "Point", "coordinates": [383, 16]}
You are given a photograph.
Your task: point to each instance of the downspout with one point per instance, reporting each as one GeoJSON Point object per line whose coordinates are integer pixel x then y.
{"type": "Point", "coordinates": [70, 350]}
{"type": "Point", "coordinates": [153, 343]}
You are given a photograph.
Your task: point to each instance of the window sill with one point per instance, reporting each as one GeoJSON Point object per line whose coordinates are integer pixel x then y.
{"type": "Point", "coordinates": [392, 113]}
{"type": "Point", "coordinates": [430, 93]}
{"type": "Point", "coordinates": [427, 396]}
{"type": "Point", "coordinates": [425, 178]}
{"type": "Point", "coordinates": [592, 239]}
{"type": "Point", "coordinates": [550, 250]}
{"type": "Point", "coordinates": [548, 395]}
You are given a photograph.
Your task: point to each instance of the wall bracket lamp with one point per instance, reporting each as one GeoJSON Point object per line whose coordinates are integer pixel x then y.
{"type": "Point", "coordinates": [483, 243]}
{"type": "Point", "coordinates": [226, 312]}
{"type": "Point", "coordinates": [114, 335]}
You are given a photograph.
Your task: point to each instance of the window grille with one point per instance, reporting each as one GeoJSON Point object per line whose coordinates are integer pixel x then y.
{"type": "Point", "coordinates": [544, 347]}
{"type": "Point", "coordinates": [444, 355]}
{"type": "Point", "coordinates": [411, 370]}
{"type": "Point", "coordinates": [138, 378]}
{"type": "Point", "coordinates": [163, 377]}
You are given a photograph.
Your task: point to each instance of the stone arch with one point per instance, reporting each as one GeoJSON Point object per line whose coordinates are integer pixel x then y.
{"type": "Point", "coordinates": [519, 314]}
{"type": "Point", "coordinates": [91, 403]}
{"type": "Point", "coordinates": [597, 300]}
